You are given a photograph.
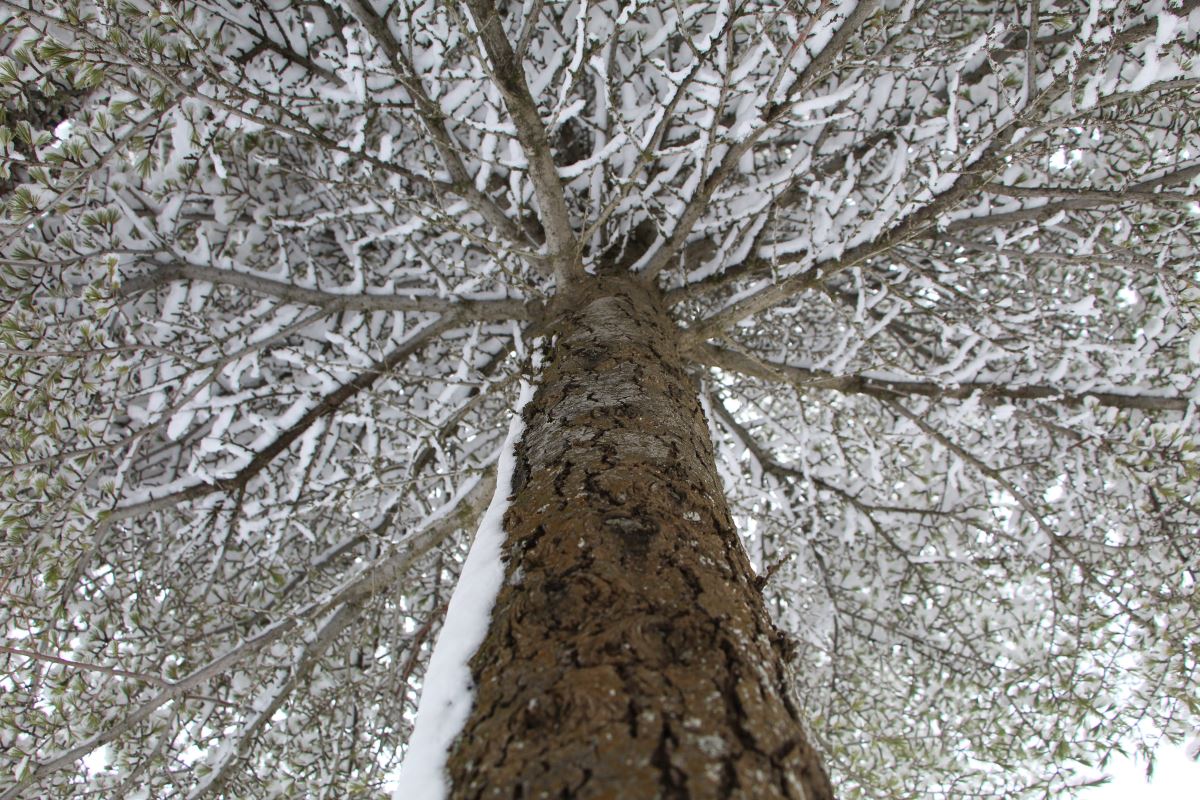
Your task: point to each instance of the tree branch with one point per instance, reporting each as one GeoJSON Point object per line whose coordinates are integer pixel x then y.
{"type": "Point", "coordinates": [482, 310]}
{"type": "Point", "coordinates": [431, 115]}
{"type": "Point", "coordinates": [286, 52]}
{"type": "Point", "coordinates": [338, 621]}
{"type": "Point", "coordinates": [771, 114]}
{"type": "Point", "coordinates": [920, 220]}
{"type": "Point", "coordinates": [153, 680]}
{"type": "Point", "coordinates": [327, 405]}
{"type": "Point", "coordinates": [903, 230]}
{"type": "Point", "coordinates": [508, 74]}
{"type": "Point", "coordinates": [377, 577]}
{"type": "Point", "coordinates": [709, 355]}
{"type": "Point", "coordinates": [980, 466]}
{"type": "Point", "coordinates": [1078, 199]}
{"type": "Point", "coordinates": [1098, 196]}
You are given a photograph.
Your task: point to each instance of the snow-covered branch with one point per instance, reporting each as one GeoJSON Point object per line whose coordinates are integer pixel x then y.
{"type": "Point", "coordinates": [883, 387]}
{"type": "Point", "coordinates": [464, 310]}
{"type": "Point", "coordinates": [1078, 199]}
{"type": "Point", "coordinates": [269, 271]}
{"type": "Point", "coordinates": [339, 603]}
{"type": "Point", "coordinates": [449, 150]}
{"type": "Point", "coordinates": [507, 73]}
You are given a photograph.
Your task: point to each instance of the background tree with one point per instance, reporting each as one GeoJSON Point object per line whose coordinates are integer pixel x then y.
{"type": "Point", "coordinates": [271, 272]}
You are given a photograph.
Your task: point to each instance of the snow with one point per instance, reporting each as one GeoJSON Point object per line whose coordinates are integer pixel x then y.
{"type": "Point", "coordinates": [1174, 778]}
{"type": "Point", "coordinates": [580, 167]}
{"type": "Point", "coordinates": [204, 379]}
{"type": "Point", "coordinates": [448, 695]}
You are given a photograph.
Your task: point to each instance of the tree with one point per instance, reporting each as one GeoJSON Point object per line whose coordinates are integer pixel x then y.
{"type": "Point", "coordinates": [854, 347]}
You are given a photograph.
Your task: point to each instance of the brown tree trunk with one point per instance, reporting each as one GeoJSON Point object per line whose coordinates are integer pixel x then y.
{"type": "Point", "coordinates": [629, 654]}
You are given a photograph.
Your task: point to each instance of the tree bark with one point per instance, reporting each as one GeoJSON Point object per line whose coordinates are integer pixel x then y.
{"type": "Point", "coordinates": [629, 654]}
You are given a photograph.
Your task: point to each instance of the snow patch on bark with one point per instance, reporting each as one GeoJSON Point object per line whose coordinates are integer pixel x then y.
{"type": "Point", "coordinates": [448, 694]}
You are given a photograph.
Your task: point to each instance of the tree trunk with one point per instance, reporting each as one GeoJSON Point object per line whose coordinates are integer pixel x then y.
{"type": "Point", "coordinates": [629, 655]}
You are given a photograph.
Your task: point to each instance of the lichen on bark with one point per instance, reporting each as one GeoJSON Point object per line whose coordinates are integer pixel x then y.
{"type": "Point", "coordinates": [629, 653]}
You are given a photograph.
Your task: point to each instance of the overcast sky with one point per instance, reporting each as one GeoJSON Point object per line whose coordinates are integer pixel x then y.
{"type": "Point", "coordinates": [1176, 777]}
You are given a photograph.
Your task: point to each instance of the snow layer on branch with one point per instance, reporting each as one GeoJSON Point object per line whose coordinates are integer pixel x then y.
{"type": "Point", "coordinates": [447, 696]}
{"type": "Point", "coordinates": [982, 315]}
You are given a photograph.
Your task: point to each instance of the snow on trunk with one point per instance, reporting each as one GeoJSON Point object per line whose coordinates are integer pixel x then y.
{"type": "Point", "coordinates": [448, 692]}
{"type": "Point", "coordinates": [630, 654]}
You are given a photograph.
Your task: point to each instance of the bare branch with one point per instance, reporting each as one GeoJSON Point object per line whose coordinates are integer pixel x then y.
{"type": "Point", "coordinates": [528, 28]}
{"type": "Point", "coordinates": [83, 666]}
{"type": "Point", "coordinates": [1031, 42]}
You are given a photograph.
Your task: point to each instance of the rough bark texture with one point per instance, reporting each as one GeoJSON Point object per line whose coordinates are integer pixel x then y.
{"type": "Point", "coordinates": [629, 655]}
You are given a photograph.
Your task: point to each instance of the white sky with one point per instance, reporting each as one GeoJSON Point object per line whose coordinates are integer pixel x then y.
{"type": "Point", "coordinates": [1176, 777]}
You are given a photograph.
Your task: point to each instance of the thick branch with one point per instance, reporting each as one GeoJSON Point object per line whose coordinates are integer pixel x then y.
{"type": "Point", "coordinates": [509, 77]}
{"type": "Point", "coordinates": [885, 388]}
{"type": "Point", "coordinates": [484, 310]}
{"type": "Point", "coordinates": [1078, 200]}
